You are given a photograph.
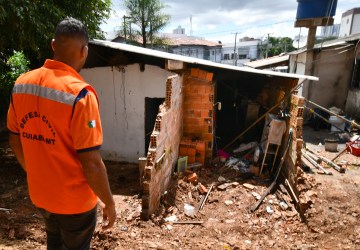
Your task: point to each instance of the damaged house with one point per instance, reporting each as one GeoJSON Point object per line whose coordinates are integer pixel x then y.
{"type": "Point", "coordinates": [337, 64]}
{"type": "Point", "coordinates": [157, 106]}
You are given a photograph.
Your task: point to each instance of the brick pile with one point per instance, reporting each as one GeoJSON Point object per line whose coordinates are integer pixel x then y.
{"type": "Point", "coordinates": [296, 122]}
{"type": "Point", "coordinates": [194, 150]}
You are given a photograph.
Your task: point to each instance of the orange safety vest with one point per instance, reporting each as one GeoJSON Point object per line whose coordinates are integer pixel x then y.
{"type": "Point", "coordinates": [56, 115]}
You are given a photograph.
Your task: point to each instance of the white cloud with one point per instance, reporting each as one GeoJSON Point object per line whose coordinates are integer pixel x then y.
{"type": "Point", "coordinates": [219, 19]}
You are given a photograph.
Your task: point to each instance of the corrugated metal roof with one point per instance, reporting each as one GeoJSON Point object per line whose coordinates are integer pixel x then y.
{"type": "Point", "coordinates": [267, 61]}
{"type": "Point", "coordinates": [191, 60]}
{"type": "Point", "coordinates": [189, 40]}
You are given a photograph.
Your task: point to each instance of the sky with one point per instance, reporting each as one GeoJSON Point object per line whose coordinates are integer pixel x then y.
{"type": "Point", "coordinates": [219, 20]}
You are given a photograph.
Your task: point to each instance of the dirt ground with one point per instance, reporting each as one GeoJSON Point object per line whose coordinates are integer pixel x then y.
{"type": "Point", "coordinates": [332, 221]}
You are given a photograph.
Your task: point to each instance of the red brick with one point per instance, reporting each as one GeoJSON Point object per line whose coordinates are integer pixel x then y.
{"type": "Point", "coordinates": [191, 159]}
{"type": "Point", "coordinates": [192, 178]}
{"type": "Point", "coordinates": [194, 72]}
{"type": "Point", "coordinates": [202, 189]}
{"type": "Point", "coordinates": [200, 145]}
{"type": "Point", "coordinates": [183, 151]}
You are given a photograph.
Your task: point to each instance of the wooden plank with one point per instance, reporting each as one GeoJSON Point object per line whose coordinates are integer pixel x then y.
{"type": "Point", "coordinates": [311, 22]}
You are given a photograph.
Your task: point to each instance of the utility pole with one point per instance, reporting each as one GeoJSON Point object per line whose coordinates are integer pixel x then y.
{"type": "Point", "coordinates": [267, 45]}
{"type": "Point", "coordinates": [235, 57]}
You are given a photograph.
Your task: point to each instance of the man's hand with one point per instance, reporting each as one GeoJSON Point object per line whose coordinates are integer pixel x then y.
{"type": "Point", "coordinates": [109, 214]}
{"type": "Point", "coordinates": [96, 176]}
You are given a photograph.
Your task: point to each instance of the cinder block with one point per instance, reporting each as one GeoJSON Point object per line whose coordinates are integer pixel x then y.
{"type": "Point", "coordinates": [297, 100]}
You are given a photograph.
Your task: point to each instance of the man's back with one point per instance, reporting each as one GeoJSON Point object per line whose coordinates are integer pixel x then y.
{"type": "Point", "coordinates": [47, 103]}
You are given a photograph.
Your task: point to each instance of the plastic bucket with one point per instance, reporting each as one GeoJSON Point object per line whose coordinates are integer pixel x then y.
{"type": "Point", "coordinates": [331, 145]}
{"type": "Point", "coordinates": [315, 8]}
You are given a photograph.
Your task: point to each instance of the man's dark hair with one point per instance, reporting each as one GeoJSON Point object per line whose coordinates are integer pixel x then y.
{"type": "Point", "coordinates": [71, 27]}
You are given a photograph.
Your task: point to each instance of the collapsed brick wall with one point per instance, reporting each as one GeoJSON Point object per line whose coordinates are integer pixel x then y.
{"type": "Point", "coordinates": [164, 147]}
{"type": "Point", "coordinates": [198, 113]}
{"type": "Point", "coordinates": [297, 179]}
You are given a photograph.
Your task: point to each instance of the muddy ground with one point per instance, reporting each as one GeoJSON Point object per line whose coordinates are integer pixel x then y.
{"type": "Point", "coordinates": [332, 221]}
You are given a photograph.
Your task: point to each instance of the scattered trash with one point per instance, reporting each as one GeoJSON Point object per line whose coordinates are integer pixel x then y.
{"type": "Point", "coordinates": [171, 218]}
{"type": "Point", "coordinates": [269, 210]}
{"type": "Point", "coordinates": [248, 242]}
{"type": "Point", "coordinates": [124, 228]}
{"type": "Point", "coordinates": [222, 153]}
{"type": "Point", "coordinates": [228, 202]}
{"type": "Point", "coordinates": [283, 205]}
{"type": "Point", "coordinates": [232, 161]}
{"type": "Point", "coordinates": [189, 210]}
{"type": "Point", "coordinates": [169, 227]}
{"type": "Point", "coordinates": [229, 221]}
{"type": "Point", "coordinates": [245, 146]}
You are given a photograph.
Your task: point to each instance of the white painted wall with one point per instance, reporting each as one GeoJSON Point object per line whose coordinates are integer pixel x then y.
{"type": "Point", "coordinates": [355, 29]}
{"type": "Point", "coordinates": [345, 27]}
{"type": "Point", "coordinates": [122, 106]}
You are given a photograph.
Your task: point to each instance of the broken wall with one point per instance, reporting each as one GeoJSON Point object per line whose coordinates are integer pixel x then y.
{"type": "Point", "coordinates": [164, 147]}
{"type": "Point", "coordinates": [198, 109]}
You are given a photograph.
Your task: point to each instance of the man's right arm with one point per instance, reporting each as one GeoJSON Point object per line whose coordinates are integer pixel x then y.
{"type": "Point", "coordinates": [96, 175]}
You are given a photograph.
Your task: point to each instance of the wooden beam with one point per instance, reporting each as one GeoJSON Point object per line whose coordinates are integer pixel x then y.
{"type": "Point", "coordinates": [311, 22]}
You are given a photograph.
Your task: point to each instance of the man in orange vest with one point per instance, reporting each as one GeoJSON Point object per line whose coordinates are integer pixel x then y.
{"type": "Point", "coordinates": [56, 135]}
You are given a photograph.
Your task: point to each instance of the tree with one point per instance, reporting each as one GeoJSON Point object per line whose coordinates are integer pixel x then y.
{"type": "Point", "coordinates": [17, 64]}
{"type": "Point", "coordinates": [28, 25]}
{"type": "Point", "coordinates": [147, 17]}
{"type": "Point", "coordinates": [277, 45]}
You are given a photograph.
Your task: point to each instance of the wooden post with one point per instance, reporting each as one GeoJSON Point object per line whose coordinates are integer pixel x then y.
{"type": "Point", "coordinates": [309, 59]}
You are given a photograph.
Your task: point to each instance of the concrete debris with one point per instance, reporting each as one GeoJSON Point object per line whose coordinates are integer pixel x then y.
{"type": "Point", "coordinates": [269, 210]}
{"type": "Point", "coordinates": [202, 189]}
{"type": "Point", "coordinates": [228, 202]}
{"type": "Point", "coordinates": [283, 205]}
{"type": "Point", "coordinates": [221, 179]}
{"type": "Point", "coordinates": [193, 178]}
{"type": "Point", "coordinates": [256, 195]}
{"type": "Point", "coordinates": [249, 186]}
{"type": "Point", "coordinates": [171, 218]}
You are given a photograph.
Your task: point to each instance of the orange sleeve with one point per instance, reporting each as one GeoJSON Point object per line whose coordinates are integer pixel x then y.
{"type": "Point", "coordinates": [85, 125]}
{"type": "Point", "coordinates": [12, 123]}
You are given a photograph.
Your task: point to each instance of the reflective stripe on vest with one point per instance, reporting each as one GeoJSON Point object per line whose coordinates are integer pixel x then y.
{"type": "Point", "coordinates": [47, 93]}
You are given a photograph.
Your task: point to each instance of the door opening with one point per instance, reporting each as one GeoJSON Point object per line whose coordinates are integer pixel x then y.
{"type": "Point", "coordinates": [151, 111]}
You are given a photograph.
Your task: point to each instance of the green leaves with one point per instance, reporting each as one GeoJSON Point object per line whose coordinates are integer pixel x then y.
{"type": "Point", "coordinates": [29, 25]}
{"type": "Point", "coordinates": [147, 17]}
{"type": "Point", "coordinates": [16, 65]}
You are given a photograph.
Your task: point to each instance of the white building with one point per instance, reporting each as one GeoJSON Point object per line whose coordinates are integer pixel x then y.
{"type": "Point", "coordinates": [246, 50]}
{"type": "Point", "coordinates": [330, 31]}
{"type": "Point", "coordinates": [350, 22]}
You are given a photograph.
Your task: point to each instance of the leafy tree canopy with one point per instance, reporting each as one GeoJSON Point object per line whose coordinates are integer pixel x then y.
{"type": "Point", "coordinates": [17, 64]}
{"type": "Point", "coordinates": [29, 25]}
{"type": "Point", "coordinates": [147, 17]}
{"type": "Point", "coordinates": [277, 45]}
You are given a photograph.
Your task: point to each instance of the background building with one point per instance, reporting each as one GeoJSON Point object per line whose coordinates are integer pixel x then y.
{"type": "Point", "coordinates": [246, 50]}
{"type": "Point", "coordinates": [350, 22]}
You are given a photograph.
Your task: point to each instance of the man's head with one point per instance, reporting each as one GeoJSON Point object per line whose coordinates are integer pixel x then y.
{"type": "Point", "coordinates": [70, 43]}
